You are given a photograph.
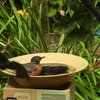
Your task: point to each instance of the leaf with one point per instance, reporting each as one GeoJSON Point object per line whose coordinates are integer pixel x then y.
{"type": "Point", "coordinates": [77, 35]}
{"type": "Point", "coordinates": [53, 2]}
{"type": "Point", "coordinates": [5, 25]}
{"type": "Point", "coordinates": [52, 11]}
{"type": "Point", "coordinates": [65, 25]}
{"type": "Point", "coordinates": [60, 2]}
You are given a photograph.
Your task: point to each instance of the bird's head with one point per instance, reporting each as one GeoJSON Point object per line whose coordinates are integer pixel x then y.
{"type": "Point", "coordinates": [36, 59]}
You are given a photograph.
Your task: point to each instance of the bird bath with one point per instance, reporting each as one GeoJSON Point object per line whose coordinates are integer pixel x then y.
{"type": "Point", "coordinates": [74, 63]}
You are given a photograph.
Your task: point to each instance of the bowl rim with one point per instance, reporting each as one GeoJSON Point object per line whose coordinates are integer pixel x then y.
{"type": "Point", "coordinates": [41, 76]}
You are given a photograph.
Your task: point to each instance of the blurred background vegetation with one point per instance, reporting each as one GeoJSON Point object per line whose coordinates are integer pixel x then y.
{"type": "Point", "coordinates": [32, 26]}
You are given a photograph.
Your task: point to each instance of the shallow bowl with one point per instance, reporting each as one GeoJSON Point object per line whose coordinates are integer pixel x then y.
{"type": "Point", "coordinates": [75, 64]}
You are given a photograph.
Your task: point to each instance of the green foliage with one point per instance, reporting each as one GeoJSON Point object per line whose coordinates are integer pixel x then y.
{"type": "Point", "coordinates": [76, 30]}
{"type": "Point", "coordinates": [3, 80]}
{"type": "Point", "coordinates": [56, 5]}
{"type": "Point", "coordinates": [86, 82]}
{"type": "Point", "coordinates": [78, 25]}
{"type": "Point", "coordinates": [21, 29]}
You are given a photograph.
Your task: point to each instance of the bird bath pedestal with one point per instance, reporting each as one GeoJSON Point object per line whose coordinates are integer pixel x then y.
{"type": "Point", "coordinates": [14, 91]}
{"type": "Point", "coordinates": [75, 64]}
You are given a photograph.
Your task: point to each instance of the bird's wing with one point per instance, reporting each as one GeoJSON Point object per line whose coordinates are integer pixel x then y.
{"type": "Point", "coordinates": [3, 59]}
{"type": "Point", "coordinates": [30, 67]}
{"type": "Point", "coordinates": [20, 70]}
{"type": "Point", "coordinates": [6, 64]}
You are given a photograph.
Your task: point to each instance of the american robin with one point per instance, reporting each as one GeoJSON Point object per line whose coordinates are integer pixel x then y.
{"type": "Point", "coordinates": [34, 67]}
{"type": "Point", "coordinates": [12, 66]}
{"type": "Point", "coordinates": [96, 65]}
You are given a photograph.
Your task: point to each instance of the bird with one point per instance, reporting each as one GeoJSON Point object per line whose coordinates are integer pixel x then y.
{"type": "Point", "coordinates": [34, 68]}
{"type": "Point", "coordinates": [12, 65]}
{"type": "Point", "coordinates": [95, 66]}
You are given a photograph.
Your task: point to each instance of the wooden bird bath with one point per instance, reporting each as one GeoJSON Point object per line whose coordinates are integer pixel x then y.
{"type": "Point", "coordinates": [75, 64]}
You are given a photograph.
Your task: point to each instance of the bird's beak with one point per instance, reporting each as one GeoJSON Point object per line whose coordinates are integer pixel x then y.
{"type": "Point", "coordinates": [42, 57]}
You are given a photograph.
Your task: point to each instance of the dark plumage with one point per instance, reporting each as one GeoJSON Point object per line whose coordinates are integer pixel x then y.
{"type": "Point", "coordinates": [47, 70]}
{"type": "Point", "coordinates": [36, 59]}
{"type": "Point", "coordinates": [6, 64]}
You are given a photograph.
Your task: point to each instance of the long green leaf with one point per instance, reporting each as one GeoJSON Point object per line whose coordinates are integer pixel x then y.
{"type": "Point", "coordinates": [5, 25]}
{"type": "Point", "coordinates": [91, 87]}
{"type": "Point", "coordinates": [33, 16]}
